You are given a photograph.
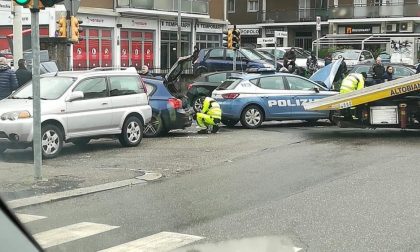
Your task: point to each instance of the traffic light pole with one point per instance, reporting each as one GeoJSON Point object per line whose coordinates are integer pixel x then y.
{"type": "Point", "coordinates": [68, 18]}
{"type": "Point", "coordinates": [234, 59]}
{"type": "Point", "coordinates": [36, 92]}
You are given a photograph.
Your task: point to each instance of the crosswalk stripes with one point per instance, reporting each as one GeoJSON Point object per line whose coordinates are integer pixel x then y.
{"type": "Point", "coordinates": [163, 241]}
{"type": "Point", "coordinates": [25, 218]}
{"type": "Point", "coordinates": [69, 233]}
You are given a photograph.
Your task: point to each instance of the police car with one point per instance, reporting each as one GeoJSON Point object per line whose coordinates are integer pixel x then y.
{"type": "Point", "coordinates": [253, 98]}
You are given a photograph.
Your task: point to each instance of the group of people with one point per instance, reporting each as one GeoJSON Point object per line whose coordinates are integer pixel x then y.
{"type": "Point", "coordinates": [379, 73]}
{"type": "Point", "coordinates": [11, 80]}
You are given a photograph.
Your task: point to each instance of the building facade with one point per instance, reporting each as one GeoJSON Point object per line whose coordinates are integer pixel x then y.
{"type": "Point", "coordinates": [130, 32]}
{"type": "Point", "coordinates": [362, 19]}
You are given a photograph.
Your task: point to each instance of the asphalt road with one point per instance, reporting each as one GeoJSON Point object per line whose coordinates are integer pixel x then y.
{"type": "Point", "coordinates": [317, 188]}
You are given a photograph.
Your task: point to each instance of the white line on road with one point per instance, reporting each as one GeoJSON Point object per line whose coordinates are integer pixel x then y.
{"type": "Point", "coordinates": [69, 233]}
{"type": "Point", "coordinates": [71, 193]}
{"type": "Point", "coordinates": [163, 241]}
{"type": "Point", "coordinates": [25, 218]}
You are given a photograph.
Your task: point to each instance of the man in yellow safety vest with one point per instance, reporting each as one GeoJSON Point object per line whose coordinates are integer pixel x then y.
{"type": "Point", "coordinates": [210, 116]}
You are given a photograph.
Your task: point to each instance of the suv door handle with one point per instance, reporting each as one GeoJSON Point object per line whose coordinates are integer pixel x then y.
{"type": "Point", "coordinates": [104, 103]}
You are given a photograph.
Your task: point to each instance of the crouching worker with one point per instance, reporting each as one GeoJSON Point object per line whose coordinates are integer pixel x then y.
{"type": "Point", "coordinates": [209, 117]}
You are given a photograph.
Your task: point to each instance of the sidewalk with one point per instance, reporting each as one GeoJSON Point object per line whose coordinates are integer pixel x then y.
{"type": "Point", "coordinates": [16, 179]}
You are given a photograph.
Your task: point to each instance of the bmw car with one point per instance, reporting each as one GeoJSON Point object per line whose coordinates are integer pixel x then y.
{"type": "Point", "coordinates": [253, 98]}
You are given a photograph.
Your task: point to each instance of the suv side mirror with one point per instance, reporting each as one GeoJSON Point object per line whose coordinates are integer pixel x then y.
{"type": "Point", "coordinates": [316, 89]}
{"type": "Point", "coordinates": [75, 95]}
{"type": "Point", "coordinates": [362, 58]}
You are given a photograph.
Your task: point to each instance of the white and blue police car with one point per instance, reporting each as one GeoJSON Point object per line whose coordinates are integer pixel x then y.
{"type": "Point", "coordinates": [253, 98]}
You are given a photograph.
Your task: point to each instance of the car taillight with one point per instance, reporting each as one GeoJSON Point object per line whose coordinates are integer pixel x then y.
{"type": "Point", "coordinates": [230, 96]}
{"type": "Point", "coordinates": [175, 103]}
{"type": "Point", "coordinates": [190, 86]}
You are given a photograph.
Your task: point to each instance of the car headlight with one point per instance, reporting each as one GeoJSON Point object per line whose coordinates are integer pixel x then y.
{"type": "Point", "coordinates": [12, 116]}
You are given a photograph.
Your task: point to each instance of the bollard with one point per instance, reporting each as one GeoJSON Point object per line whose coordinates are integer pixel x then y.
{"type": "Point", "coordinates": [403, 115]}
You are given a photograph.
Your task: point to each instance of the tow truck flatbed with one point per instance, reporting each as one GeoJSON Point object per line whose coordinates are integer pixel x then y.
{"type": "Point", "coordinates": [369, 94]}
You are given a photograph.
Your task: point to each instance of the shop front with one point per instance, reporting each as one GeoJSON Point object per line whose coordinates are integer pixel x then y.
{"type": "Point", "coordinates": [96, 47]}
{"type": "Point", "coordinates": [208, 35]}
{"type": "Point", "coordinates": [168, 47]}
{"type": "Point", "coordinates": [138, 42]}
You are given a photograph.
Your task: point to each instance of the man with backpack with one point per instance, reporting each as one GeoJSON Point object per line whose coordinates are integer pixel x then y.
{"type": "Point", "coordinates": [8, 80]}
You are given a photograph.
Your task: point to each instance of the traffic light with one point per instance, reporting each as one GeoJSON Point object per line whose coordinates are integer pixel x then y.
{"type": "Point", "coordinates": [29, 4]}
{"type": "Point", "coordinates": [62, 27]}
{"type": "Point", "coordinates": [75, 29]}
{"type": "Point", "coordinates": [227, 39]}
{"type": "Point", "coordinates": [236, 38]}
{"type": "Point", "coordinates": [50, 3]}
{"type": "Point", "coordinates": [42, 3]}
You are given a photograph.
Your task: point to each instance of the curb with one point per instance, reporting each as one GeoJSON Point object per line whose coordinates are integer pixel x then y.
{"type": "Point", "coordinates": [35, 200]}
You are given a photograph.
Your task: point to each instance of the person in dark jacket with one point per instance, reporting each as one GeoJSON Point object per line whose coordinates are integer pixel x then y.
{"type": "Point", "coordinates": [312, 63]}
{"type": "Point", "coordinates": [328, 59]}
{"type": "Point", "coordinates": [418, 69]}
{"type": "Point", "coordinates": [388, 76]}
{"type": "Point", "coordinates": [8, 81]}
{"type": "Point", "coordinates": [290, 60]}
{"type": "Point", "coordinates": [22, 74]}
{"type": "Point", "coordinates": [378, 70]}
{"type": "Point", "coordinates": [195, 54]}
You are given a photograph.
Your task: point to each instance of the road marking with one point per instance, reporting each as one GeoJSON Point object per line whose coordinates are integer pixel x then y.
{"type": "Point", "coordinates": [69, 233]}
{"type": "Point", "coordinates": [25, 218]}
{"type": "Point", "coordinates": [163, 241]}
{"type": "Point", "coordinates": [71, 193]}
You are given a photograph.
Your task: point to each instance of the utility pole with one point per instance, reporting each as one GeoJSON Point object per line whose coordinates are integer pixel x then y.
{"type": "Point", "coordinates": [17, 34]}
{"type": "Point", "coordinates": [178, 46]}
{"type": "Point", "coordinates": [36, 91]}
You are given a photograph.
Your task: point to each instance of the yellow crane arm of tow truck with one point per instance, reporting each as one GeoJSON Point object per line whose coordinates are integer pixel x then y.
{"type": "Point", "coordinates": [365, 95]}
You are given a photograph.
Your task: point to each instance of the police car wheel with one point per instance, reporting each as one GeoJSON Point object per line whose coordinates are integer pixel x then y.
{"type": "Point", "coordinates": [252, 117]}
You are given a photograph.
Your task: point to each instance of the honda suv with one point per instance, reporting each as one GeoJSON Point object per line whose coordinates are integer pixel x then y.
{"type": "Point", "coordinates": [221, 59]}
{"type": "Point", "coordinates": [77, 107]}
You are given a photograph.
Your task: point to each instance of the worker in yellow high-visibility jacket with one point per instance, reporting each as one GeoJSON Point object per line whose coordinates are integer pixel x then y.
{"type": "Point", "coordinates": [210, 116]}
{"type": "Point", "coordinates": [353, 82]}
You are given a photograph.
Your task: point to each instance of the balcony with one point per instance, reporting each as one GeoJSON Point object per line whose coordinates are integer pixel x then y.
{"type": "Point", "coordinates": [384, 11]}
{"type": "Point", "coordinates": [285, 16]}
{"type": "Point", "coordinates": [187, 6]}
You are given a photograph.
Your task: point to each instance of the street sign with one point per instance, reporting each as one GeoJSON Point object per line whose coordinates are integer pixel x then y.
{"type": "Point", "coordinates": [72, 6]}
{"type": "Point", "coordinates": [280, 34]}
{"type": "Point", "coordinates": [318, 23]}
{"type": "Point", "coordinates": [266, 40]}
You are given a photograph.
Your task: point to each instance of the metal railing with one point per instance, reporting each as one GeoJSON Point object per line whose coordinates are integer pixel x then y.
{"type": "Point", "coordinates": [340, 12]}
{"type": "Point", "coordinates": [188, 6]}
{"type": "Point", "coordinates": [301, 15]}
{"type": "Point", "coordinates": [376, 11]}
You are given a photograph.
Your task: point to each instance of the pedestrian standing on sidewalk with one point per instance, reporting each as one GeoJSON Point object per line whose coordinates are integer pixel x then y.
{"type": "Point", "coordinates": [8, 81]}
{"type": "Point", "coordinates": [22, 74]}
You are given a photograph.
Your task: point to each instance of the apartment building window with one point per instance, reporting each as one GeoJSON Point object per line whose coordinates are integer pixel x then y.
{"type": "Point", "coordinates": [360, 3]}
{"type": "Point", "coordinates": [252, 5]}
{"type": "Point", "coordinates": [208, 40]}
{"type": "Point", "coordinates": [231, 6]}
{"type": "Point", "coordinates": [304, 9]}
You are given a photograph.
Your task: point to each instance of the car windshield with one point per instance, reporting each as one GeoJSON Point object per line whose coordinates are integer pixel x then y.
{"type": "Point", "coordinates": [348, 55]}
{"type": "Point", "coordinates": [267, 55]}
{"type": "Point", "coordinates": [251, 54]}
{"type": "Point", "coordinates": [51, 88]}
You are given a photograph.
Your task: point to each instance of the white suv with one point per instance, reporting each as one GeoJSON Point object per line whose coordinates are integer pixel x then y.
{"type": "Point", "coordinates": [77, 107]}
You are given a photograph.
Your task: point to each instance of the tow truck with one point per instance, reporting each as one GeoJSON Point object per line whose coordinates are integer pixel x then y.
{"type": "Point", "coordinates": [393, 104]}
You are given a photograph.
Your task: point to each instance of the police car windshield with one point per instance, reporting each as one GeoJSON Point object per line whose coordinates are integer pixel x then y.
{"type": "Point", "coordinates": [229, 84]}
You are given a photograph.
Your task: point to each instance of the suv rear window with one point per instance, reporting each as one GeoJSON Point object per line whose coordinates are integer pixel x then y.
{"type": "Point", "coordinates": [125, 85]}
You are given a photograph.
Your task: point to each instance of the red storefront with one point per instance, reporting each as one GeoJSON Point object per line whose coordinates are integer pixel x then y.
{"type": "Point", "coordinates": [137, 48]}
{"type": "Point", "coordinates": [95, 50]}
